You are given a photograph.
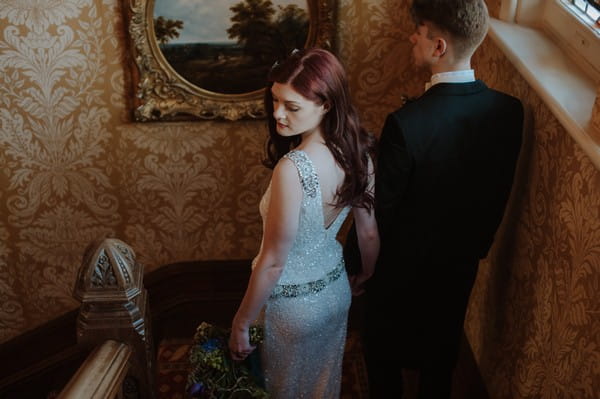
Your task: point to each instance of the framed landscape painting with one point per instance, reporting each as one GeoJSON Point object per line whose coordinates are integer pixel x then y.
{"type": "Point", "coordinates": [209, 59]}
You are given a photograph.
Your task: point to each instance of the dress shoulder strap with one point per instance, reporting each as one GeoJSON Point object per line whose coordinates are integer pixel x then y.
{"type": "Point", "coordinates": [306, 171]}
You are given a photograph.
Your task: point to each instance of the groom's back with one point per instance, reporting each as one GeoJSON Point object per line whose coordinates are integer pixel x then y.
{"type": "Point", "coordinates": [464, 141]}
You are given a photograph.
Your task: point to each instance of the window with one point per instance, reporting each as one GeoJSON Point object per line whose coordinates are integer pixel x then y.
{"type": "Point", "coordinates": [555, 45]}
{"type": "Point", "coordinates": [589, 8]}
{"type": "Point", "coordinates": [571, 23]}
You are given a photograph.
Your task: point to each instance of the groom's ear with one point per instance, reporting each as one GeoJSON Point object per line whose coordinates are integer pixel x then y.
{"type": "Point", "coordinates": [441, 45]}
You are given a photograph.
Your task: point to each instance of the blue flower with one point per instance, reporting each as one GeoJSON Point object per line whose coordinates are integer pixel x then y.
{"type": "Point", "coordinates": [210, 345]}
{"type": "Point", "coordinates": [196, 390]}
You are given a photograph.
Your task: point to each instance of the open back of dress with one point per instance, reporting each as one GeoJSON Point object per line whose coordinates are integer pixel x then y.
{"type": "Point", "coordinates": [306, 315]}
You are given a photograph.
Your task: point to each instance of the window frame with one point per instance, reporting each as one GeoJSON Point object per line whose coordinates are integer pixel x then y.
{"type": "Point", "coordinates": [589, 5]}
{"type": "Point", "coordinates": [564, 23]}
{"type": "Point", "coordinates": [566, 81]}
{"type": "Point", "coordinates": [579, 38]}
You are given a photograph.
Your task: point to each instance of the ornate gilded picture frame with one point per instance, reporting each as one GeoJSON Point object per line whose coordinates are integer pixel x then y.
{"type": "Point", "coordinates": [211, 61]}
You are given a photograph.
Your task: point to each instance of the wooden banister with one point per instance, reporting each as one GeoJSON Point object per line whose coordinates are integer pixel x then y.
{"type": "Point", "coordinates": [101, 375]}
{"type": "Point", "coordinates": [114, 306]}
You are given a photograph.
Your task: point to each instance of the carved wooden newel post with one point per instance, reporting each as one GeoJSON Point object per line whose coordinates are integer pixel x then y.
{"type": "Point", "coordinates": [115, 306]}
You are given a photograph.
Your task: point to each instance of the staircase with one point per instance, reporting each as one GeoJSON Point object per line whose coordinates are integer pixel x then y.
{"type": "Point", "coordinates": [140, 360]}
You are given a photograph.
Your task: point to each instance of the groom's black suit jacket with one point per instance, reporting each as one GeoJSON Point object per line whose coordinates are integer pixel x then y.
{"type": "Point", "coordinates": [444, 173]}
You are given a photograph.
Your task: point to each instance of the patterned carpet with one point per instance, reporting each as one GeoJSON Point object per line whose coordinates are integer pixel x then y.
{"type": "Point", "coordinates": [173, 368]}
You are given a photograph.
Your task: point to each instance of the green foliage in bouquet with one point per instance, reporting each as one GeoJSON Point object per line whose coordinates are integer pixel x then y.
{"type": "Point", "coordinates": [214, 375]}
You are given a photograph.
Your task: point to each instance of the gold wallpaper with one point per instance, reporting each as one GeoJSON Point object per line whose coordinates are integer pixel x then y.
{"type": "Point", "coordinates": [373, 44]}
{"type": "Point", "coordinates": [534, 321]}
{"type": "Point", "coordinates": [190, 190]}
{"type": "Point", "coordinates": [58, 73]}
{"type": "Point", "coordinates": [74, 167]}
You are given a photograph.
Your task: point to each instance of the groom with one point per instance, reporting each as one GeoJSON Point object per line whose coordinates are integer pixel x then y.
{"type": "Point", "coordinates": [445, 171]}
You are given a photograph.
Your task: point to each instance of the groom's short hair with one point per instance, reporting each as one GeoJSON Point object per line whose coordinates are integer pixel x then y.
{"type": "Point", "coordinates": [466, 21]}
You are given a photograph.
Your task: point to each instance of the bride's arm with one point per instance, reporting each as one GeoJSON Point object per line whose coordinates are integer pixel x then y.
{"type": "Point", "coordinates": [368, 240]}
{"type": "Point", "coordinates": [281, 225]}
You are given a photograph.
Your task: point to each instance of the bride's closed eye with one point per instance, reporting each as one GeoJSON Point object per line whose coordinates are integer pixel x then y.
{"type": "Point", "coordinates": [288, 107]}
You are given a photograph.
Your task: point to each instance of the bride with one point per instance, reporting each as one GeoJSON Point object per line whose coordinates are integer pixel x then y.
{"type": "Point", "coordinates": [322, 162]}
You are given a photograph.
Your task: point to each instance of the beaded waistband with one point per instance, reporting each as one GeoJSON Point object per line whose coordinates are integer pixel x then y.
{"type": "Point", "coordinates": [312, 287]}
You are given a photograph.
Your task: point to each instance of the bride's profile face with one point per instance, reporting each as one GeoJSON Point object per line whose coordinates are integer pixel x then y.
{"type": "Point", "coordinates": [294, 113]}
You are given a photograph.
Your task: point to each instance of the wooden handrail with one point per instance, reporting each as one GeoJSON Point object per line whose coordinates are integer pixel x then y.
{"type": "Point", "coordinates": [102, 373]}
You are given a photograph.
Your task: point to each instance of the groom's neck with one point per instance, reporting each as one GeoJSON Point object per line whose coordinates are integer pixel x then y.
{"type": "Point", "coordinates": [451, 65]}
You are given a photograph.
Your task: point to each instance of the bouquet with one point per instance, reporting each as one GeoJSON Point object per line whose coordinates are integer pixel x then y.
{"type": "Point", "coordinates": [214, 375]}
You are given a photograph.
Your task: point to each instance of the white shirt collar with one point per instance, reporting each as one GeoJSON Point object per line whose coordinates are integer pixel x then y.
{"type": "Point", "coordinates": [464, 76]}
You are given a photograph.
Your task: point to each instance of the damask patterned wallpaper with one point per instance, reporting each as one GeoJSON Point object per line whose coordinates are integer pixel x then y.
{"type": "Point", "coordinates": [74, 167]}
{"type": "Point", "coordinates": [533, 322]}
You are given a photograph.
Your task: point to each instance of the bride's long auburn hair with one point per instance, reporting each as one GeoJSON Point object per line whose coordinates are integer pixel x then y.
{"type": "Point", "coordinates": [317, 75]}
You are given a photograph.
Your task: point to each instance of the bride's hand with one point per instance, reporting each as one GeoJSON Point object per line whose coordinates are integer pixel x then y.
{"type": "Point", "coordinates": [357, 283]}
{"type": "Point", "coordinates": [239, 343]}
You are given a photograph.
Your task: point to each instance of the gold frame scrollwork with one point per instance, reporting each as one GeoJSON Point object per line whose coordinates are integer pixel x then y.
{"type": "Point", "coordinates": [162, 94]}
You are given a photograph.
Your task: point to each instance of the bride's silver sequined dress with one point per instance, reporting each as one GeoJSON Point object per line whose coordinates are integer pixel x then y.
{"type": "Point", "coordinates": [305, 317]}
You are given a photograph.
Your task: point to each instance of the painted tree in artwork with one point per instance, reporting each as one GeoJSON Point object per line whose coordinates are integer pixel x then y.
{"type": "Point", "coordinates": [292, 27]}
{"type": "Point", "coordinates": [265, 33]}
{"type": "Point", "coordinates": [253, 28]}
{"type": "Point", "coordinates": [166, 29]}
